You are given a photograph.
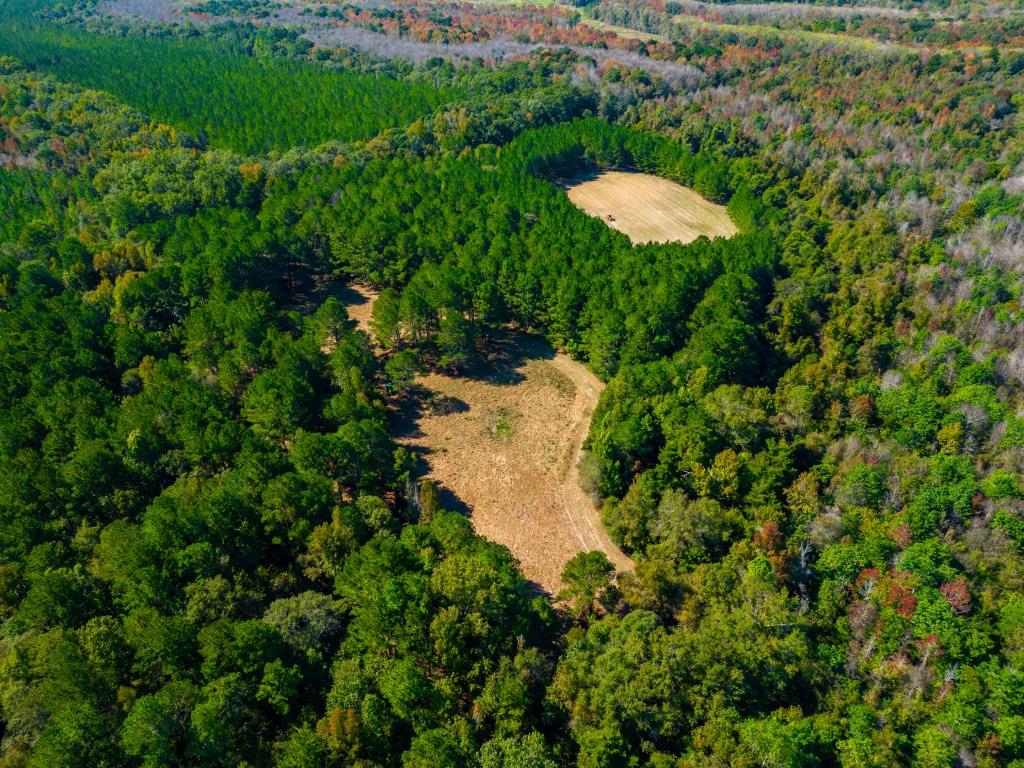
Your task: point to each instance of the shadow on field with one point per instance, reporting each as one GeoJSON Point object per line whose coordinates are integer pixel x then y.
{"type": "Point", "coordinates": [449, 500]}
{"type": "Point", "coordinates": [506, 354]}
{"type": "Point", "coordinates": [417, 403]}
{"type": "Point", "coordinates": [346, 294]}
{"type": "Point", "coordinates": [306, 292]}
{"type": "Point", "coordinates": [584, 175]}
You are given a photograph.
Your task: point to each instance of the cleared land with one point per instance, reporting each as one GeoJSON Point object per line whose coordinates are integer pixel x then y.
{"type": "Point", "coordinates": [650, 209]}
{"type": "Point", "coordinates": [504, 445]}
{"type": "Point", "coordinates": [358, 301]}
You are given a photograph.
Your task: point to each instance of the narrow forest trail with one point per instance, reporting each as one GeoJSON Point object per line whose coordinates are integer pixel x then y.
{"type": "Point", "coordinates": [504, 444]}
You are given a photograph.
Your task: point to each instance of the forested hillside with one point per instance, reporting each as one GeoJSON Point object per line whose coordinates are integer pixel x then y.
{"type": "Point", "coordinates": [217, 90]}
{"type": "Point", "coordinates": [213, 552]}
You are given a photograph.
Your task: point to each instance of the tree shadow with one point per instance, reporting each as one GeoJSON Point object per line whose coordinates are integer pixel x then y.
{"type": "Point", "coordinates": [584, 174]}
{"type": "Point", "coordinates": [417, 403]}
{"type": "Point", "coordinates": [535, 589]}
{"type": "Point", "coordinates": [453, 503]}
{"type": "Point", "coordinates": [449, 500]}
{"type": "Point", "coordinates": [505, 356]}
{"type": "Point", "coordinates": [438, 404]}
{"type": "Point", "coordinates": [303, 293]}
{"type": "Point", "coordinates": [346, 294]}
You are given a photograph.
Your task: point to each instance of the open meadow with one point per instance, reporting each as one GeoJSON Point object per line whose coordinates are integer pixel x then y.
{"type": "Point", "coordinates": [650, 209]}
{"type": "Point", "coordinates": [504, 446]}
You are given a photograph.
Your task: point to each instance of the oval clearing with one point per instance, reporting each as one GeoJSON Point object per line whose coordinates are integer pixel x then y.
{"type": "Point", "coordinates": [650, 209]}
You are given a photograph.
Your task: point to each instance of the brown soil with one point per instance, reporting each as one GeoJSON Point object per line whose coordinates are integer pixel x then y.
{"type": "Point", "coordinates": [504, 444]}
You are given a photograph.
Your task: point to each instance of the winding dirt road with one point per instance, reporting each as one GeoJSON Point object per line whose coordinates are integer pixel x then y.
{"type": "Point", "coordinates": [580, 513]}
{"type": "Point", "coordinates": [505, 444]}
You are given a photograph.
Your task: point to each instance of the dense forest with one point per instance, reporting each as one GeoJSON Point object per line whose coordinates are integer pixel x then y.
{"type": "Point", "coordinates": [203, 86]}
{"type": "Point", "coordinates": [213, 551]}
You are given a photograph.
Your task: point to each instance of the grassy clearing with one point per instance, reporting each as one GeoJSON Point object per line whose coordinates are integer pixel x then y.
{"type": "Point", "coordinates": [506, 444]}
{"type": "Point", "coordinates": [650, 209]}
{"type": "Point", "coordinates": [509, 453]}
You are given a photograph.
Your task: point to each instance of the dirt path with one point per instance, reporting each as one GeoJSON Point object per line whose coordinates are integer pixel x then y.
{"type": "Point", "coordinates": [580, 512]}
{"type": "Point", "coordinates": [504, 445]}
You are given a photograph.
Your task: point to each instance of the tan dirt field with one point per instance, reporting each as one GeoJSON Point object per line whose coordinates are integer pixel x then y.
{"type": "Point", "coordinates": [504, 446]}
{"type": "Point", "coordinates": [649, 209]}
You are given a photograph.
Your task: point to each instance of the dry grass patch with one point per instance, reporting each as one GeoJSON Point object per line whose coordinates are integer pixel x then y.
{"type": "Point", "coordinates": [507, 452]}
{"type": "Point", "coordinates": [650, 209]}
{"type": "Point", "coordinates": [358, 300]}
{"type": "Point", "coordinates": [504, 445]}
